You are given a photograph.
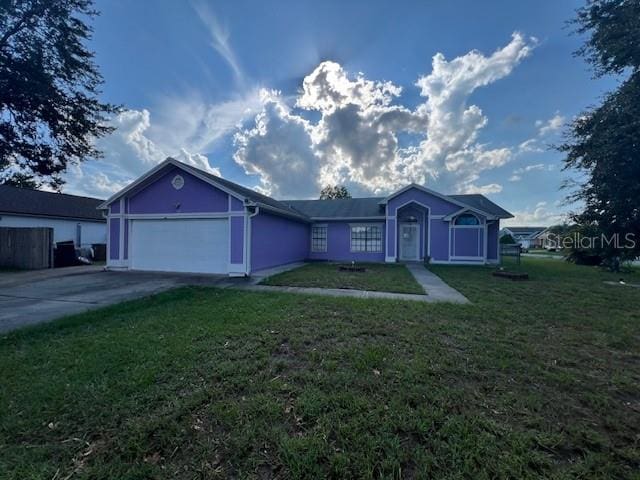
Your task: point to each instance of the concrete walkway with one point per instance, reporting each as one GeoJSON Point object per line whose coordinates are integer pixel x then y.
{"type": "Point", "coordinates": [341, 292]}
{"type": "Point", "coordinates": [434, 286]}
{"type": "Point", "coordinates": [436, 290]}
{"type": "Point", "coordinates": [260, 275]}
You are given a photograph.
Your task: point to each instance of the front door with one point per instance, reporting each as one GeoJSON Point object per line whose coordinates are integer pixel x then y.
{"type": "Point", "coordinates": [409, 244]}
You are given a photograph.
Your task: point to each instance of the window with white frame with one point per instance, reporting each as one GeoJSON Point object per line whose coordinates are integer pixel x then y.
{"type": "Point", "coordinates": [366, 238]}
{"type": "Point", "coordinates": [467, 219]}
{"type": "Point", "coordinates": [319, 238]}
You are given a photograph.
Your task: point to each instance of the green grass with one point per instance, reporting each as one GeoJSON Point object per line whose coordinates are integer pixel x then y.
{"type": "Point", "coordinates": [378, 277]}
{"type": "Point", "coordinates": [534, 379]}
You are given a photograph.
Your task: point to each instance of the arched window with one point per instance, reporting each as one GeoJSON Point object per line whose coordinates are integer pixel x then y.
{"type": "Point", "coordinates": [467, 219]}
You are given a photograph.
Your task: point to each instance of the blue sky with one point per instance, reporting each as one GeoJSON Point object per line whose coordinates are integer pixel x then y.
{"type": "Point", "coordinates": [287, 96]}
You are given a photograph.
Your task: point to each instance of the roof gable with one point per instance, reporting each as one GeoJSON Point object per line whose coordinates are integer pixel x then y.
{"type": "Point", "coordinates": [245, 195]}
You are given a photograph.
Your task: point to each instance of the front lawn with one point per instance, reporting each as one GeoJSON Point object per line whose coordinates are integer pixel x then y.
{"type": "Point", "coordinates": [378, 277]}
{"type": "Point", "coordinates": [534, 379]}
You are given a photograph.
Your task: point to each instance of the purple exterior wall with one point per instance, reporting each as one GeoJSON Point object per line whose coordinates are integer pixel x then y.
{"type": "Point", "coordinates": [492, 240]}
{"type": "Point", "coordinates": [126, 239]}
{"type": "Point", "coordinates": [237, 239]}
{"type": "Point", "coordinates": [467, 242]}
{"type": "Point", "coordinates": [391, 236]}
{"type": "Point", "coordinates": [114, 239]}
{"type": "Point", "coordinates": [437, 231]}
{"type": "Point", "coordinates": [437, 205]}
{"type": "Point", "coordinates": [339, 244]}
{"type": "Point", "coordinates": [439, 240]}
{"type": "Point", "coordinates": [277, 241]}
{"type": "Point", "coordinates": [196, 196]}
{"type": "Point", "coordinates": [115, 207]}
{"type": "Point", "coordinates": [236, 205]}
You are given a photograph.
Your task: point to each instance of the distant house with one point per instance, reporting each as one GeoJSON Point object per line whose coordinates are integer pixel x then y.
{"type": "Point", "coordinates": [72, 218]}
{"type": "Point", "coordinates": [527, 237]}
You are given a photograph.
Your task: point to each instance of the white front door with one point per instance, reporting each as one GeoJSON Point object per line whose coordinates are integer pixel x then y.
{"type": "Point", "coordinates": [409, 243]}
{"type": "Point", "coordinates": [180, 245]}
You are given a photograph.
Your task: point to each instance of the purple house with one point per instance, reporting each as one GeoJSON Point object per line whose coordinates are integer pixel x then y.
{"type": "Point", "coordinates": [178, 218]}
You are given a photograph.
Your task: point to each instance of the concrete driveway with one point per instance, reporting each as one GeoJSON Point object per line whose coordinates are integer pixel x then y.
{"type": "Point", "coordinates": [27, 298]}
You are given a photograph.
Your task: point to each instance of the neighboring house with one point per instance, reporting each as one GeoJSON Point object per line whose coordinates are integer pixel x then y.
{"type": "Point", "coordinates": [179, 218]}
{"type": "Point", "coordinates": [527, 237]}
{"type": "Point", "coordinates": [72, 218]}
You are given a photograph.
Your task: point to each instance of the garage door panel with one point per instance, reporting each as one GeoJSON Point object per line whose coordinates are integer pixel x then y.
{"type": "Point", "coordinates": [180, 245]}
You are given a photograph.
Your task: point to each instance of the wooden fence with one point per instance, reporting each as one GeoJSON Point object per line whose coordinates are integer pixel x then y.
{"type": "Point", "coordinates": [26, 248]}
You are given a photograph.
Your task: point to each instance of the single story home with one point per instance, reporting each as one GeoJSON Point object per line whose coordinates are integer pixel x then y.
{"type": "Point", "coordinates": [527, 237]}
{"type": "Point", "coordinates": [181, 219]}
{"type": "Point", "coordinates": [72, 218]}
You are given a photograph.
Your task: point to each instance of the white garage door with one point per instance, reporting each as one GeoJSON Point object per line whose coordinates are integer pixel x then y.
{"type": "Point", "coordinates": [177, 245]}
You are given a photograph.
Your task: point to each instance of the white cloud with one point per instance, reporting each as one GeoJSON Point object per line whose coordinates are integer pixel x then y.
{"type": "Point", "coordinates": [517, 173]}
{"type": "Point", "coordinates": [355, 141]}
{"type": "Point", "coordinates": [540, 215]}
{"type": "Point", "coordinates": [185, 130]}
{"type": "Point", "coordinates": [546, 128]}
{"type": "Point", "coordinates": [551, 126]}
{"type": "Point", "coordinates": [220, 36]}
{"type": "Point", "coordinates": [483, 189]}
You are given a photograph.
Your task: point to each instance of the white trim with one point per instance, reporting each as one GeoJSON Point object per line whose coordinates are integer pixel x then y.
{"type": "Point", "coordinates": [329, 219]}
{"type": "Point", "coordinates": [196, 172]}
{"type": "Point", "coordinates": [365, 224]}
{"type": "Point", "coordinates": [326, 240]}
{"type": "Point", "coordinates": [249, 223]}
{"type": "Point", "coordinates": [282, 212]}
{"type": "Point", "coordinates": [159, 216]}
{"type": "Point", "coordinates": [424, 219]}
{"type": "Point", "coordinates": [54, 217]}
{"type": "Point", "coordinates": [474, 211]}
{"type": "Point", "coordinates": [108, 240]}
{"type": "Point", "coordinates": [450, 241]}
{"type": "Point", "coordinates": [417, 232]}
{"type": "Point", "coordinates": [467, 257]}
{"type": "Point", "coordinates": [424, 190]}
{"type": "Point", "coordinates": [435, 194]}
{"type": "Point", "coordinates": [485, 240]}
{"type": "Point", "coordinates": [245, 244]}
{"type": "Point", "coordinates": [454, 216]}
{"type": "Point", "coordinates": [390, 259]}
{"type": "Point", "coordinates": [122, 221]}
{"type": "Point", "coordinates": [379, 225]}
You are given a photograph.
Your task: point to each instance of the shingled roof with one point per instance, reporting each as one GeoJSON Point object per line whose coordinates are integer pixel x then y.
{"type": "Point", "coordinates": [309, 210]}
{"type": "Point", "coordinates": [339, 208]}
{"type": "Point", "coordinates": [24, 201]}
{"type": "Point", "coordinates": [480, 202]}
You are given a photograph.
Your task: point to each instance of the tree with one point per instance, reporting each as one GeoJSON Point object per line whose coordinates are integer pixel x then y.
{"type": "Point", "coordinates": [21, 180]}
{"type": "Point", "coordinates": [331, 192]}
{"type": "Point", "coordinates": [603, 143]}
{"type": "Point", "coordinates": [507, 239]}
{"type": "Point", "coordinates": [50, 114]}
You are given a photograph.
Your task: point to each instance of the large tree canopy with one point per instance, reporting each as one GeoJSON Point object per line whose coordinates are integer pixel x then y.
{"type": "Point", "coordinates": [603, 143]}
{"type": "Point", "coordinates": [50, 114]}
